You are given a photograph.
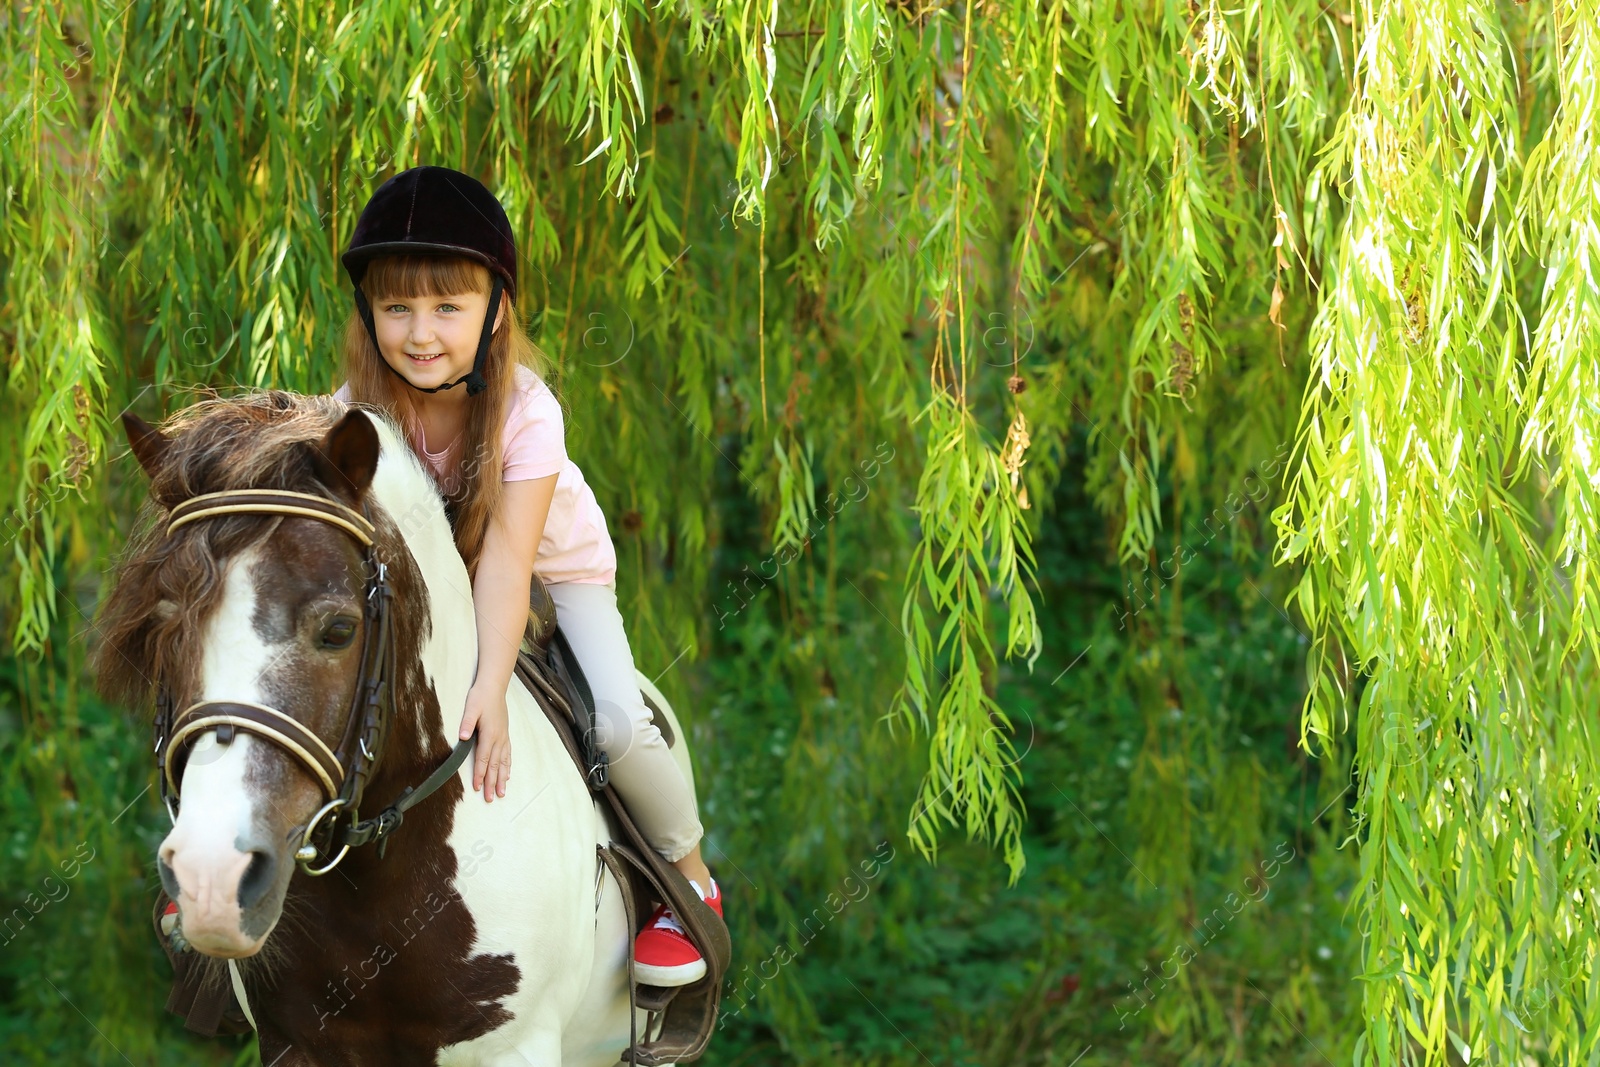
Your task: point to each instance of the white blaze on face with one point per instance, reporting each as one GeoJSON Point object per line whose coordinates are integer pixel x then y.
{"type": "Point", "coordinates": [216, 816]}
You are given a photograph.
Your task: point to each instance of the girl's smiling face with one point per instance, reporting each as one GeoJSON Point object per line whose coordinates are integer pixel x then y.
{"type": "Point", "coordinates": [431, 340]}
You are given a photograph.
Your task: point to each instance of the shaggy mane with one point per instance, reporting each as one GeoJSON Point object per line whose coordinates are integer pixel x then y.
{"type": "Point", "coordinates": [165, 587]}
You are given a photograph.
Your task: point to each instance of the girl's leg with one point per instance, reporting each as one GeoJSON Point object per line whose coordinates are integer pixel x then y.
{"type": "Point", "coordinates": [641, 766]}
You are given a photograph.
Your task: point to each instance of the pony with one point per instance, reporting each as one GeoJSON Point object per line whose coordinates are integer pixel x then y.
{"type": "Point", "coordinates": [488, 933]}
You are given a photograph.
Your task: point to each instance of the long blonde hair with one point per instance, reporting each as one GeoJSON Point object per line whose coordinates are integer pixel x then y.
{"type": "Point", "coordinates": [471, 482]}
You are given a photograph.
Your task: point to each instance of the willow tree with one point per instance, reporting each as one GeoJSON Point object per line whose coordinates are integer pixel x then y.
{"type": "Point", "coordinates": [1360, 237]}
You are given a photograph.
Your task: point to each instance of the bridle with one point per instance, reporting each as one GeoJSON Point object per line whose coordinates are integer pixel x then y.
{"type": "Point", "coordinates": [342, 773]}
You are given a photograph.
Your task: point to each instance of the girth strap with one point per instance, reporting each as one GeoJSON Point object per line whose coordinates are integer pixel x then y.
{"type": "Point", "coordinates": [552, 674]}
{"type": "Point", "coordinates": [583, 712]}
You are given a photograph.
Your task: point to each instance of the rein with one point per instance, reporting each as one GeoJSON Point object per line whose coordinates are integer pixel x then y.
{"type": "Point", "coordinates": [343, 772]}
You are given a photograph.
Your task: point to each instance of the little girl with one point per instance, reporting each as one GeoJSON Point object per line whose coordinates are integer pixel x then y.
{"type": "Point", "coordinates": [434, 267]}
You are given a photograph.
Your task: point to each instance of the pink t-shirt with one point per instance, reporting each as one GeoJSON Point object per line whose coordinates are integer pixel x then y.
{"type": "Point", "coordinates": [576, 546]}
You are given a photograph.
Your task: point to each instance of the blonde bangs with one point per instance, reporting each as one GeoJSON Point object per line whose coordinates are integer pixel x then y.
{"type": "Point", "coordinates": [409, 277]}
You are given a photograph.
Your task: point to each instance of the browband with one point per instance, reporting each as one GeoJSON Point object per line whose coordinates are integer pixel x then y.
{"type": "Point", "coordinates": [273, 502]}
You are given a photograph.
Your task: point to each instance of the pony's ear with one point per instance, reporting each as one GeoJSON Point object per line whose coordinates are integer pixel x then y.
{"type": "Point", "coordinates": [347, 458]}
{"type": "Point", "coordinates": [149, 444]}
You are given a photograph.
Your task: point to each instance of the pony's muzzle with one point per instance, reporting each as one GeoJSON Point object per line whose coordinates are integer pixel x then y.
{"type": "Point", "coordinates": [219, 892]}
{"type": "Point", "coordinates": [206, 889]}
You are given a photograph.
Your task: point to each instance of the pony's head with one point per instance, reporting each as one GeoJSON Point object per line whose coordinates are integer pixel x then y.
{"type": "Point", "coordinates": [253, 609]}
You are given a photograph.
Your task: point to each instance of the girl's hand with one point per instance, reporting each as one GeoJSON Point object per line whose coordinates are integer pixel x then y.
{"type": "Point", "coordinates": [491, 770]}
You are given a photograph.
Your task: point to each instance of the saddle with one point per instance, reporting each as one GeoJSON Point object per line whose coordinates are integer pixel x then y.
{"type": "Point", "coordinates": [684, 1017]}
{"type": "Point", "coordinates": [681, 1019]}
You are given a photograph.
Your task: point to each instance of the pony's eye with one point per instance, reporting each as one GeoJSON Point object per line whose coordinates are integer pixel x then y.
{"type": "Point", "coordinates": [338, 634]}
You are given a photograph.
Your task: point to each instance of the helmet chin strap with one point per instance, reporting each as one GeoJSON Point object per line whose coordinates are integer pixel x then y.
{"type": "Point", "coordinates": [474, 378]}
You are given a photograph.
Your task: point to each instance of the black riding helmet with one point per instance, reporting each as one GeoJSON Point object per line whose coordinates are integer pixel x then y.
{"type": "Point", "coordinates": [436, 211]}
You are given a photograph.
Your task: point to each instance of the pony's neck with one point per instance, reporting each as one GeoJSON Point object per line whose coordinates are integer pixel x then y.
{"type": "Point", "coordinates": [449, 648]}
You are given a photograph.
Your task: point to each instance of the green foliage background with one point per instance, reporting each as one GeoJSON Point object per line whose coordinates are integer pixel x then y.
{"type": "Point", "coordinates": [1236, 367]}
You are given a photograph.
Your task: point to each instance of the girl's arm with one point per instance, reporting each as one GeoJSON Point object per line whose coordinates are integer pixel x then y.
{"type": "Point", "coordinates": [500, 604]}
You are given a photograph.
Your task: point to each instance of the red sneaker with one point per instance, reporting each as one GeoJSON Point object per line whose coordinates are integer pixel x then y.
{"type": "Point", "coordinates": [662, 955]}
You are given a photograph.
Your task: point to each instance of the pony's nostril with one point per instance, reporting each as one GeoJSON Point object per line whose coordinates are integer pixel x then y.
{"type": "Point", "coordinates": [257, 879]}
{"type": "Point", "coordinates": [169, 880]}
